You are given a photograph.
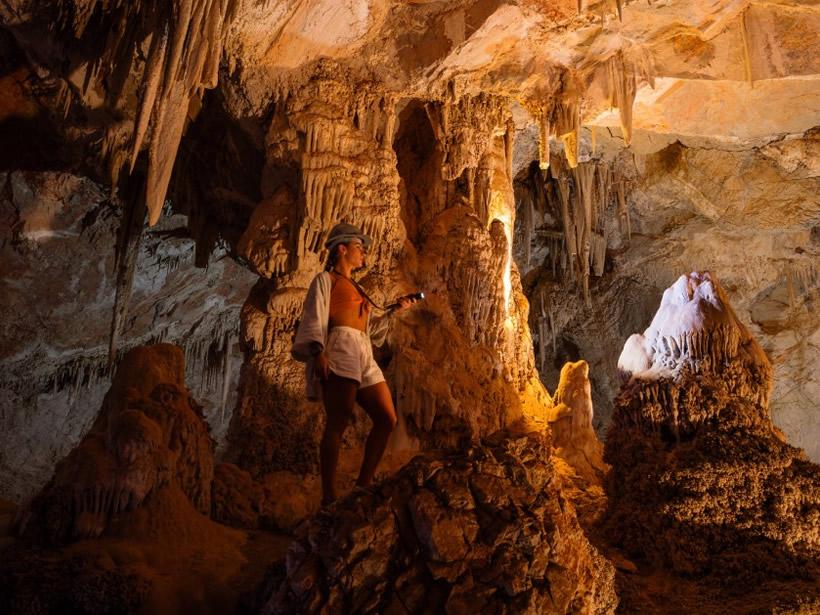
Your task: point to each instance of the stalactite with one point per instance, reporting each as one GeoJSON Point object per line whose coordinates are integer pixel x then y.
{"type": "Point", "coordinates": [568, 128]}
{"type": "Point", "coordinates": [584, 175]}
{"type": "Point", "coordinates": [151, 85]}
{"type": "Point", "coordinates": [622, 90]}
{"type": "Point", "coordinates": [623, 210]}
{"type": "Point", "coordinates": [544, 140]}
{"type": "Point", "coordinates": [747, 56]}
{"type": "Point", "coordinates": [182, 60]}
{"type": "Point", "coordinates": [570, 244]}
{"type": "Point", "coordinates": [132, 226]}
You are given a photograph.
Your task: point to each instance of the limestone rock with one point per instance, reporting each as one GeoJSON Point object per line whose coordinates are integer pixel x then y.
{"type": "Point", "coordinates": [702, 483]}
{"type": "Point", "coordinates": [149, 433]}
{"type": "Point", "coordinates": [239, 501]}
{"type": "Point", "coordinates": [692, 203]}
{"type": "Point", "coordinates": [487, 530]}
{"type": "Point", "coordinates": [57, 294]}
{"type": "Point", "coordinates": [570, 421]}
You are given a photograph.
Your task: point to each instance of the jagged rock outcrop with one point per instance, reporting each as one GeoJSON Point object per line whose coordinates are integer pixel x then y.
{"type": "Point", "coordinates": [702, 483]}
{"type": "Point", "coordinates": [123, 525]}
{"type": "Point", "coordinates": [484, 530]}
{"type": "Point", "coordinates": [149, 434]}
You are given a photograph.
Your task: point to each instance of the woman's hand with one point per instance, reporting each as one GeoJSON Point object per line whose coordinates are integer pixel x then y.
{"type": "Point", "coordinates": [404, 303]}
{"type": "Point", "coordinates": [322, 367]}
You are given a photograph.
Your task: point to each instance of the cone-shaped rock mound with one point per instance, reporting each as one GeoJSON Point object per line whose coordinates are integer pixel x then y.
{"type": "Point", "coordinates": [702, 483]}
{"type": "Point", "coordinates": [486, 530]}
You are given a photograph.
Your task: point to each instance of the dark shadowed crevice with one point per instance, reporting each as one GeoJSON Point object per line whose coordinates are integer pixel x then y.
{"type": "Point", "coordinates": [418, 165]}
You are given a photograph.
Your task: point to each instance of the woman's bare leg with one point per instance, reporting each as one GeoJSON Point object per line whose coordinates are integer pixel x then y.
{"type": "Point", "coordinates": [378, 404]}
{"type": "Point", "coordinates": [339, 395]}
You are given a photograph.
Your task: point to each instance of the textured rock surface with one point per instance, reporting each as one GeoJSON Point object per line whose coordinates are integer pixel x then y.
{"type": "Point", "coordinates": [440, 209]}
{"type": "Point", "coordinates": [748, 211]}
{"type": "Point", "coordinates": [120, 527]}
{"type": "Point", "coordinates": [570, 421]}
{"type": "Point", "coordinates": [150, 433]}
{"type": "Point", "coordinates": [703, 484]}
{"type": "Point", "coordinates": [57, 294]}
{"type": "Point", "coordinates": [486, 530]}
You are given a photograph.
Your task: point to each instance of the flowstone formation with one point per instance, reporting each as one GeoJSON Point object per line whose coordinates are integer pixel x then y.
{"type": "Point", "coordinates": [702, 483]}
{"type": "Point", "coordinates": [434, 191]}
{"type": "Point", "coordinates": [123, 524]}
{"type": "Point", "coordinates": [484, 530]}
{"type": "Point", "coordinates": [149, 434]}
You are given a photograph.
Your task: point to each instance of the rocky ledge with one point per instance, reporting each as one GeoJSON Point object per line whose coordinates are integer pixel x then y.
{"type": "Point", "coordinates": [486, 530]}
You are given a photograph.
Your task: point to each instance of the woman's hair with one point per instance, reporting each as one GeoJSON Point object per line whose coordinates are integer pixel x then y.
{"type": "Point", "coordinates": [332, 257]}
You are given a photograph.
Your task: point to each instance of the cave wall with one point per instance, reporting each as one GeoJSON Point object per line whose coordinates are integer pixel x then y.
{"type": "Point", "coordinates": [746, 211]}
{"type": "Point", "coordinates": [435, 193]}
{"type": "Point", "coordinates": [57, 296]}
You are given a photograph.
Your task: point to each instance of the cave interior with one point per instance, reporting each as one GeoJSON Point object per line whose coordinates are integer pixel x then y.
{"type": "Point", "coordinates": [608, 400]}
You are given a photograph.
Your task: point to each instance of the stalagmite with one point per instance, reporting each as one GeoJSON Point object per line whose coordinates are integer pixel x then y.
{"type": "Point", "coordinates": [695, 331]}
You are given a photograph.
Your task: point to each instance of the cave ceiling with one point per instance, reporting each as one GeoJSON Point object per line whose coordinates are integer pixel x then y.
{"type": "Point", "coordinates": [732, 70]}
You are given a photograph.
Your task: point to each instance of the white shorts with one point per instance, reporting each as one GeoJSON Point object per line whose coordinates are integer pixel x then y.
{"type": "Point", "coordinates": [350, 355]}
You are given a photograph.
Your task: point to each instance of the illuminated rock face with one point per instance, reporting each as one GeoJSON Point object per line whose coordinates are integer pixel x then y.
{"type": "Point", "coordinates": [570, 421]}
{"type": "Point", "coordinates": [435, 194]}
{"type": "Point", "coordinates": [694, 328]}
{"type": "Point", "coordinates": [480, 531]}
{"type": "Point", "coordinates": [695, 338]}
{"type": "Point", "coordinates": [675, 204]}
{"type": "Point", "coordinates": [702, 483]}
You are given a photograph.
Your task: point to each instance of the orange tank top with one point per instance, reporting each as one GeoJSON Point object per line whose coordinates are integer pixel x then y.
{"type": "Point", "coordinates": [344, 296]}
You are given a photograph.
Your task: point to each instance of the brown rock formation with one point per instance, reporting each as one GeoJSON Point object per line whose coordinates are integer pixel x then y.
{"type": "Point", "coordinates": [702, 483]}
{"type": "Point", "coordinates": [125, 510]}
{"type": "Point", "coordinates": [679, 203]}
{"type": "Point", "coordinates": [648, 138]}
{"type": "Point", "coordinates": [486, 530]}
{"type": "Point", "coordinates": [57, 293]}
{"type": "Point", "coordinates": [570, 421]}
{"type": "Point", "coordinates": [149, 434]}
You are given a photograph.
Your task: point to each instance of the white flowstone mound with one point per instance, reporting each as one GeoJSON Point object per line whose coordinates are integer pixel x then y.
{"type": "Point", "coordinates": [694, 327]}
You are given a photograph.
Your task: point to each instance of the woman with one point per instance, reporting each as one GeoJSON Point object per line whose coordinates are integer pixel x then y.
{"type": "Point", "coordinates": [334, 339]}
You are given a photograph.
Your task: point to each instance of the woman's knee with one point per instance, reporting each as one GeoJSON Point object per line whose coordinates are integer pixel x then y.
{"type": "Point", "coordinates": [387, 419]}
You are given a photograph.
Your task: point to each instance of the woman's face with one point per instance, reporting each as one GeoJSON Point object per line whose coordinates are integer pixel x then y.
{"type": "Point", "coordinates": [354, 254]}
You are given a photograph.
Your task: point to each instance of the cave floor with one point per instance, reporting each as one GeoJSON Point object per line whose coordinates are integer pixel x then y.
{"type": "Point", "coordinates": [216, 572]}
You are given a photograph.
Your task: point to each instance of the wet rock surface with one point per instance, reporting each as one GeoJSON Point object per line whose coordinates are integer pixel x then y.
{"type": "Point", "coordinates": [484, 530]}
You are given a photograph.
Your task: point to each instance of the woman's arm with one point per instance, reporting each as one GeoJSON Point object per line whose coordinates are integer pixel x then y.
{"type": "Point", "coordinates": [312, 330]}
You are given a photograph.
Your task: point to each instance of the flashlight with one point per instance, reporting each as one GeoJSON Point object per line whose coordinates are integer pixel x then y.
{"type": "Point", "coordinates": [411, 297]}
